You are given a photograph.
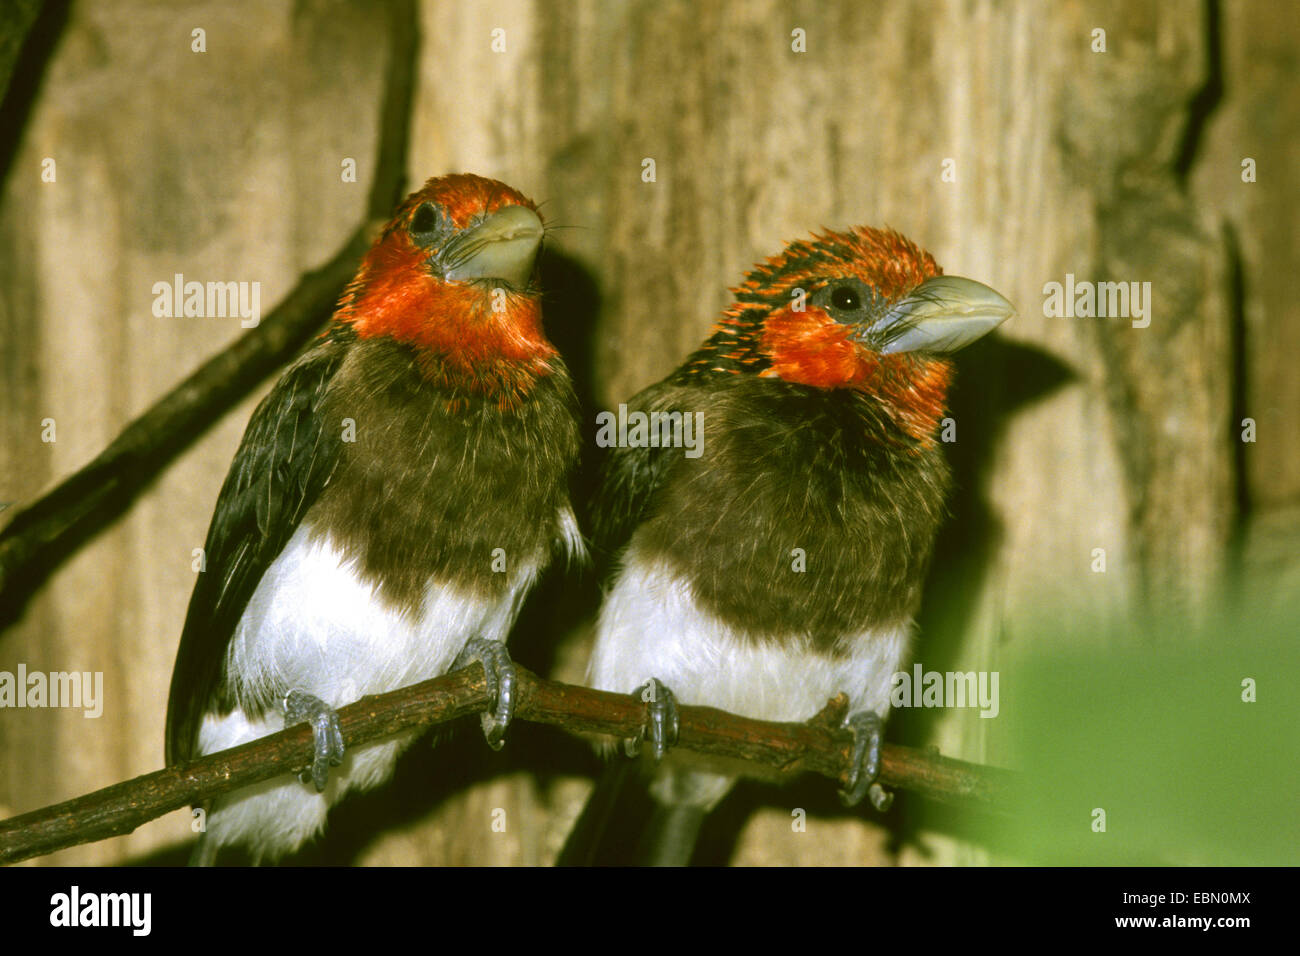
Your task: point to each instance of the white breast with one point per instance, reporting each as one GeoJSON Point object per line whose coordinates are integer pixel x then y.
{"type": "Point", "coordinates": [651, 626]}
{"type": "Point", "coordinates": [313, 624]}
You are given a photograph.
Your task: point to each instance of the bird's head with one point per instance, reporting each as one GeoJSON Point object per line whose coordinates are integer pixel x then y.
{"type": "Point", "coordinates": [453, 275]}
{"type": "Point", "coordinates": [865, 309]}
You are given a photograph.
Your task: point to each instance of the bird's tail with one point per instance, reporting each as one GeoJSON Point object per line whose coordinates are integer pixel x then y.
{"type": "Point", "coordinates": [205, 851]}
{"type": "Point", "coordinates": [588, 843]}
{"type": "Point", "coordinates": [623, 825]}
{"type": "Point", "coordinates": [670, 837]}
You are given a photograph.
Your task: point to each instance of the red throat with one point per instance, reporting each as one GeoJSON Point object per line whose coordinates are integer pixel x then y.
{"type": "Point", "coordinates": [470, 338]}
{"type": "Point", "coordinates": [811, 348]}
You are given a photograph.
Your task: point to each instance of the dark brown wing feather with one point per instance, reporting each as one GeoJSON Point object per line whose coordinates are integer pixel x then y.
{"type": "Point", "coordinates": [281, 467]}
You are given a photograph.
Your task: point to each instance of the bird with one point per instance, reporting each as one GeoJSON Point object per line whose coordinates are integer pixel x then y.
{"type": "Point", "coordinates": [780, 561]}
{"type": "Point", "coordinates": [394, 498]}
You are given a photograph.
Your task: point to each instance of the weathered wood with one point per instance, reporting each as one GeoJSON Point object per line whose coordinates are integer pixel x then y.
{"type": "Point", "coordinates": [1073, 434]}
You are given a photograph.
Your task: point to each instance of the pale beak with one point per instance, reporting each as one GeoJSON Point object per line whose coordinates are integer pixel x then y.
{"type": "Point", "coordinates": [942, 314]}
{"type": "Point", "coordinates": [503, 246]}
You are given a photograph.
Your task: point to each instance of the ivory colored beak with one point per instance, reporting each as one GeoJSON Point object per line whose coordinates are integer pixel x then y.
{"type": "Point", "coordinates": [503, 246]}
{"type": "Point", "coordinates": [942, 314]}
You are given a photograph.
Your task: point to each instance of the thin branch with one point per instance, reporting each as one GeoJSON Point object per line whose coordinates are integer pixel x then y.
{"type": "Point", "coordinates": [819, 746]}
{"type": "Point", "coordinates": [29, 33]}
{"type": "Point", "coordinates": [40, 536]}
{"type": "Point", "coordinates": [389, 185]}
{"type": "Point", "coordinates": [49, 529]}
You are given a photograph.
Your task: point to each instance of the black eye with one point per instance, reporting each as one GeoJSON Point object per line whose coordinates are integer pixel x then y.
{"type": "Point", "coordinates": [846, 298]}
{"type": "Point", "coordinates": [424, 222]}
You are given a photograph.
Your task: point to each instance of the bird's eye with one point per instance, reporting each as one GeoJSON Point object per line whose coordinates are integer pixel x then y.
{"type": "Point", "coordinates": [846, 298]}
{"type": "Point", "coordinates": [425, 221]}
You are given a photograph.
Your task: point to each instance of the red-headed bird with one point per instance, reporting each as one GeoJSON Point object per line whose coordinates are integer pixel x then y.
{"type": "Point", "coordinates": [394, 498]}
{"type": "Point", "coordinates": [781, 560]}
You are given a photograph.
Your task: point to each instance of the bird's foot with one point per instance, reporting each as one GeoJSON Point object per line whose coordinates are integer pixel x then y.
{"type": "Point", "coordinates": [500, 671]}
{"type": "Point", "coordinates": [867, 728]}
{"type": "Point", "coordinates": [661, 720]}
{"type": "Point", "coordinates": [303, 708]}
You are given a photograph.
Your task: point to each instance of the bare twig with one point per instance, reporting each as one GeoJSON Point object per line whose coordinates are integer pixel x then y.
{"type": "Point", "coordinates": [818, 746]}
{"type": "Point", "coordinates": [41, 535]}
{"type": "Point", "coordinates": [29, 33]}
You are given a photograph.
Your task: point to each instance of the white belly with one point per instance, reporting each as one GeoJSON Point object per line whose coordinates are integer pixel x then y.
{"type": "Point", "coordinates": [314, 625]}
{"type": "Point", "coordinates": [651, 626]}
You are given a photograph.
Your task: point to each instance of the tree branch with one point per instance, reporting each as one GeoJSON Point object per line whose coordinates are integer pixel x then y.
{"type": "Point", "coordinates": [45, 532]}
{"type": "Point", "coordinates": [40, 536]}
{"type": "Point", "coordinates": [819, 746]}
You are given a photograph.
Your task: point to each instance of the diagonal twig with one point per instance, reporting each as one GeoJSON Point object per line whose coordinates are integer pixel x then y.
{"type": "Point", "coordinates": [41, 535]}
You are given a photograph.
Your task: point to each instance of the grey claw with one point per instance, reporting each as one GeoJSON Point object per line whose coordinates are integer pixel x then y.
{"type": "Point", "coordinates": [500, 672]}
{"type": "Point", "coordinates": [881, 798]}
{"type": "Point", "coordinates": [327, 735]}
{"type": "Point", "coordinates": [866, 727]}
{"type": "Point", "coordinates": [662, 722]}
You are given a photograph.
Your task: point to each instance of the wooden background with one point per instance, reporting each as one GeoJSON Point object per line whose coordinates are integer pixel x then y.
{"type": "Point", "coordinates": [1074, 434]}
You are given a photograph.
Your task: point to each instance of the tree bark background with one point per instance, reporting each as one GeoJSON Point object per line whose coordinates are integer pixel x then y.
{"type": "Point", "coordinates": [1073, 434]}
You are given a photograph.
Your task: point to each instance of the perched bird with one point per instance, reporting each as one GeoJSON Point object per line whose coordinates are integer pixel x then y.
{"type": "Point", "coordinates": [781, 562]}
{"type": "Point", "coordinates": [394, 498]}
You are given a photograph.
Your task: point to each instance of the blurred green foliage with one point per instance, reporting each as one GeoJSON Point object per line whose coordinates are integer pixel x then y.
{"type": "Point", "coordinates": [1151, 727]}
